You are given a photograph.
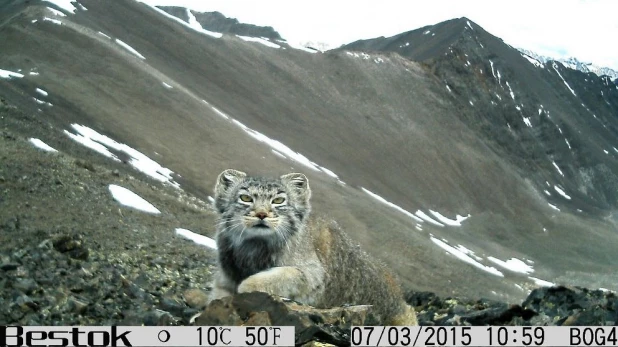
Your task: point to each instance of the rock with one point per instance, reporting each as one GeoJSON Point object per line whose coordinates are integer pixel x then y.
{"type": "Point", "coordinates": [26, 285]}
{"type": "Point", "coordinates": [148, 318]}
{"type": "Point", "coordinates": [317, 344]}
{"type": "Point", "coordinates": [173, 306]}
{"type": "Point", "coordinates": [195, 298]}
{"type": "Point", "coordinates": [9, 266]}
{"type": "Point", "coordinates": [12, 224]}
{"type": "Point", "coordinates": [85, 164]}
{"type": "Point", "coordinates": [76, 305]}
{"type": "Point", "coordinates": [325, 325]}
{"type": "Point", "coordinates": [72, 245]}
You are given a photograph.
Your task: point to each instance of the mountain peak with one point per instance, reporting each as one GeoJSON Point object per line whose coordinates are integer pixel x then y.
{"type": "Point", "coordinates": [218, 22]}
{"type": "Point", "coordinates": [430, 41]}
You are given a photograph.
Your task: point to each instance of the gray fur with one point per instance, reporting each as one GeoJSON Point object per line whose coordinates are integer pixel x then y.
{"type": "Point", "coordinates": [269, 244]}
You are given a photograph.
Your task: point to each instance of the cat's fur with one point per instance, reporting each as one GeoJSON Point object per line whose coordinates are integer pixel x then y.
{"type": "Point", "coordinates": [272, 246]}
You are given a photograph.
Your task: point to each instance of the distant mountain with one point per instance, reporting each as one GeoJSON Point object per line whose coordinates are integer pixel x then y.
{"type": "Point", "coordinates": [468, 168]}
{"type": "Point", "coordinates": [216, 21]}
{"type": "Point", "coordinates": [575, 64]}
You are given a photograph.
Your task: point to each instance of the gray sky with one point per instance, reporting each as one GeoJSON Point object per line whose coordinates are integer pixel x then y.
{"type": "Point", "coordinates": [585, 29]}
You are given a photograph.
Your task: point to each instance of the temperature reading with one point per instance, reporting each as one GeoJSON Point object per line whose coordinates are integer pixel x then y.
{"type": "Point", "coordinates": [262, 336]}
{"type": "Point", "coordinates": [214, 336]}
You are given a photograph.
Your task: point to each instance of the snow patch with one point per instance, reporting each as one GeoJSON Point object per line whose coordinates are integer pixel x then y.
{"type": "Point", "coordinates": [492, 69]}
{"type": "Point", "coordinates": [127, 198]}
{"type": "Point", "coordinates": [456, 222]}
{"type": "Point", "coordinates": [279, 154]}
{"type": "Point", "coordinates": [427, 32]}
{"type": "Point", "coordinates": [424, 216]}
{"type": "Point", "coordinates": [470, 25]}
{"type": "Point", "coordinates": [197, 238]}
{"type": "Point", "coordinates": [41, 91]}
{"type": "Point", "coordinates": [510, 90]}
{"type": "Point", "coordinates": [66, 5]}
{"type": "Point", "coordinates": [513, 264]}
{"type": "Point", "coordinates": [533, 61]}
{"type": "Point", "coordinates": [261, 40]}
{"type": "Point", "coordinates": [449, 88]}
{"type": "Point", "coordinates": [565, 82]}
{"type": "Point", "coordinates": [554, 207]}
{"type": "Point", "coordinates": [219, 112]}
{"type": "Point", "coordinates": [10, 74]}
{"type": "Point", "coordinates": [166, 85]}
{"type": "Point", "coordinates": [55, 21]}
{"type": "Point", "coordinates": [557, 168]}
{"type": "Point", "coordinates": [130, 49]}
{"type": "Point", "coordinates": [42, 145]}
{"type": "Point", "coordinates": [464, 257]}
{"type": "Point", "coordinates": [100, 143]}
{"type": "Point", "coordinates": [527, 121]}
{"type": "Point", "coordinates": [299, 46]}
{"type": "Point", "coordinates": [468, 252]}
{"type": "Point", "coordinates": [471, 103]}
{"type": "Point", "coordinates": [388, 203]}
{"type": "Point", "coordinates": [56, 12]}
{"type": "Point", "coordinates": [107, 36]}
{"type": "Point", "coordinates": [174, 18]}
{"type": "Point", "coordinates": [561, 192]}
{"type": "Point", "coordinates": [542, 283]}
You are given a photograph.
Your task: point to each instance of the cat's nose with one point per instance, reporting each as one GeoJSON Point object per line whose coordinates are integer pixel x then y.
{"type": "Point", "coordinates": [260, 215]}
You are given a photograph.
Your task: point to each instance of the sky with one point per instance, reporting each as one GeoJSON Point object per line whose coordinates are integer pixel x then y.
{"type": "Point", "coordinates": [585, 29]}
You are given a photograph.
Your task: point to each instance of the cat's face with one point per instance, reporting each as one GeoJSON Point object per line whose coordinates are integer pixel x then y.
{"type": "Point", "coordinates": [257, 207]}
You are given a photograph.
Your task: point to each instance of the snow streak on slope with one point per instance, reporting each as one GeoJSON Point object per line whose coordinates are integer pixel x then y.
{"type": "Point", "coordinates": [138, 160]}
{"type": "Point", "coordinates": [513, 264]}
{"type": "Point", "coordinates": [197, 238]}
{"type": "Point", "coordinates": [42, 145]}
{"type": "Point", "coordinates": [128, 198]}
{"type": "Point", "coordinates": [384, 201]}
{"type": "Point", "coordinates": [10, 74]}
{"type": "Point", "coordinates": [561, 192]}
{"type": "Point", "coordinates": [198, 29]}
{"type": "Point", "coordinates": [464, 257]}
{"type": "Point", "coordinates": [130, 49]}
{"type": "Point", "coordinates": [263, 41]}
{"type": "Point", "coordinates": [299, 46]}
{"type": "Point", "coordinates": [533, 61]}
{"type": "Point", "coordinates": [56, 12]}
{"type": "Point", "coordinates": [565, 82]}
{"type": "Point", "coordinates": [279, 147]}
{"type": "Point", "coordinates": [447, 221]}
{"type": "Point", "coordinates": [55, 21]}
{"type": "Point", "coordinates": [425, 217]}
{"type": "Point", "coordinates": [66, 5]}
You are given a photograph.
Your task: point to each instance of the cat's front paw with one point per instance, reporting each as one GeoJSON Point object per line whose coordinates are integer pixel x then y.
{"type": "Point", "coordinates": [286, 282]}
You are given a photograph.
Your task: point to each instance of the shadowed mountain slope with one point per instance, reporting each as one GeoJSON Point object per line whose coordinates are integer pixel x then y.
{"type": "Point", "coordinates": [432, 127]}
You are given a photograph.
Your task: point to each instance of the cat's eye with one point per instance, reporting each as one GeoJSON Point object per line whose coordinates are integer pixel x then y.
{"type": "Point", "coordinates": [278, 200]}
{"type": "Point", "coordinates": [246, 198]}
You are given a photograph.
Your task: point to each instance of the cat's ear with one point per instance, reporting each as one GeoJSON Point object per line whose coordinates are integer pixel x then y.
{"type": "Point", "coordinates": [298, 183]}
{"type": "Point", "coordinates": [227, 179]}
